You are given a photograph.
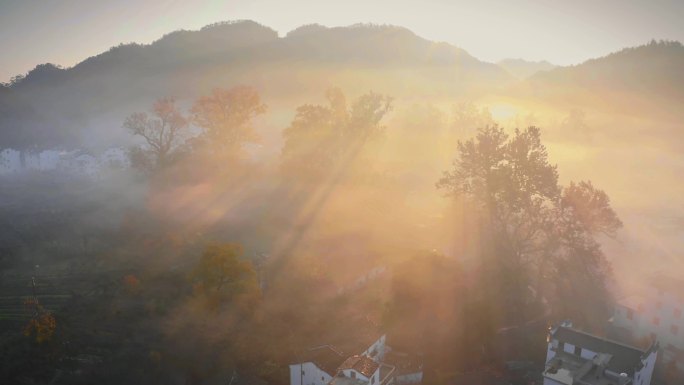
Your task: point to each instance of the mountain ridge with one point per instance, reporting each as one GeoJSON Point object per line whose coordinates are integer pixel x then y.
{"type": "Point", "coordinates": [55, 106]}
{"type": "Point", "coordinates": [632, 68]}
{"type": "Point", "coordinates": [522, 68]}
{"type": "Point", "coordinates": [61, 103]}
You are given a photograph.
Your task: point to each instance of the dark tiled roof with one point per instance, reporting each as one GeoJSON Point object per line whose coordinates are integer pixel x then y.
{"type": "Point", "coordinates": [326, 357]}
{"type": "Point", "coordinates": [362, 364]}
{"type": "Point", "coordinates": [625, 358]}
{"type": "Point", "coordinates": [405, 363]}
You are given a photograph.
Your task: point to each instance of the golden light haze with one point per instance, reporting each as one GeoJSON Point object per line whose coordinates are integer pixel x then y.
{"type": "Point", "coordinates": [214, 202]}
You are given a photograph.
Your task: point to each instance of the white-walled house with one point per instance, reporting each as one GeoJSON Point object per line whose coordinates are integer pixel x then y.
{"type": "Point", "coordinates": [317, 367]}
{"type": "Point", "coordinates": [42, 161]}
{"type": "Point", "coordinates": [13, 161]}
{"type": "Point", "coordinates": [115, 157]}
{"type": "Point", "coordinates": [659, 314]}
{"type": "Point", "coordinates": [362, 370]}
{"type": "Point", "coordinates": [575, 357]}
{"type": "Point", "coordinates": [377, 349]}
{"type": "Point", "coordinates": [75, 162]}
{"type": "Point", "coordinates": [326, 364]}
{"type": "Point", "coordinates": [10, 161]}
{"type": "Point", "coordinates": [359, 370]}
{"type": "Point", "coordinates": [86, 164]}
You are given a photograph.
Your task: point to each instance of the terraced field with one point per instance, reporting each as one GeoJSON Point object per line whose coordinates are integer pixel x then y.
{"type": "Point", "coordinates": [53, 292]}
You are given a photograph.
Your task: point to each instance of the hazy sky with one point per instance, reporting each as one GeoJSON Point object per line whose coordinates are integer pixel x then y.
{"type": "Point", "coordinates": [563, 32]}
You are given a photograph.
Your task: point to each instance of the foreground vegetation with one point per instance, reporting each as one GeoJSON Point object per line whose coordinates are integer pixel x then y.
{"type": "Point", "coordinates": [213, 266]}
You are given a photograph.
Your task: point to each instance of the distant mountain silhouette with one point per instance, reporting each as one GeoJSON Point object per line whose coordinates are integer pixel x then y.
{"type": "Point", "coordinates": [649, 72]}
{"type": "Point", "coordinates": [84, 106]}
{"type": "Point", "coordinates": [522, 69]}
{"type": "Point", "coordinates": [52, 106]}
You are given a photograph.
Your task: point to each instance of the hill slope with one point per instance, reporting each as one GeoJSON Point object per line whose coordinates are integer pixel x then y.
{"type": "Point", "coordinates": [523, 69]}
{"type": "Point", "coordinates": [85, 104]}
{"type": "Point", "coordinates": [650, 73]}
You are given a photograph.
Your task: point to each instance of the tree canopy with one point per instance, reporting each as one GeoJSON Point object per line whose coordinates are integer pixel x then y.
{"type": "Point", "coordinates": [531, 226]}
{"type": "Point", "coordinates": [323, 137]}
{"type": "Point", "coordinates": [163, 132]}
{"type": "Point", "coordinates": [221, 269]}
{"type": "Point", "coordinates": [226, 115]}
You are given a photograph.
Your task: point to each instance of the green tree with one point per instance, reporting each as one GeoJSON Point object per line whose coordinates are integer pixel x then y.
{"type": "Point", "coordinates": [221, 270]}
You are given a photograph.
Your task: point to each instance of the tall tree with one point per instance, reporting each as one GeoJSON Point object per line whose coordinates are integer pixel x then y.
{"type": "Point", "coordinates": [163, 132]}
{"type": "Point", "coordinates": [322, 137]}
{"type": "Point", "coordinates": [226, 115]}
{"type": "Point", "coordinates": [531, 224]}
{"type": "Point", "coordinates": [591, 208]}
{"type": "Point", "coordinates": [511, 181]}
{"type": "Point", "coordinates": [574, 270]}
{"type": "Point", "coordinates": [221, 269]}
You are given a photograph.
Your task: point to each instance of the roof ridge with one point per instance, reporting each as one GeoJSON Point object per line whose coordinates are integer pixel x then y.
{"type": "Point", "coordinates": [604, 339]}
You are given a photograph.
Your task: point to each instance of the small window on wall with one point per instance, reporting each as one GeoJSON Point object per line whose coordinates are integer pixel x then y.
{"type": "Point", "coordinates": [578, 351]}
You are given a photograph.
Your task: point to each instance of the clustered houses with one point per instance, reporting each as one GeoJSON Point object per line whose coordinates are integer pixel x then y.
{"type": "Point", "coordinates": [75, 162]}
{"type": "Point", "coordinates": [362, 370]}
{"type": "Point", "coordinates": [326, 365]}
{"type": "Point", "coordinates": [574, 357]}
{"type": "Point", "coordinates": [657, 315]}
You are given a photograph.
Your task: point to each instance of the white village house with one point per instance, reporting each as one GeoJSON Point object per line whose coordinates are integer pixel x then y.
{"type": "Point", "coordinates": [326, 365]}
{"type": "Point", "coordinates": [13, 161]}
{"type": "Point", "coordinates": [76, 162]}
{"type": "Point", "coordinates": [362, 370]}
{"type": "Point", "coordinates": [317, 367]}
{"type": "Point", "coordinates": [574, 357]}
{"type": "Point", "coordinates": [656, 315]}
